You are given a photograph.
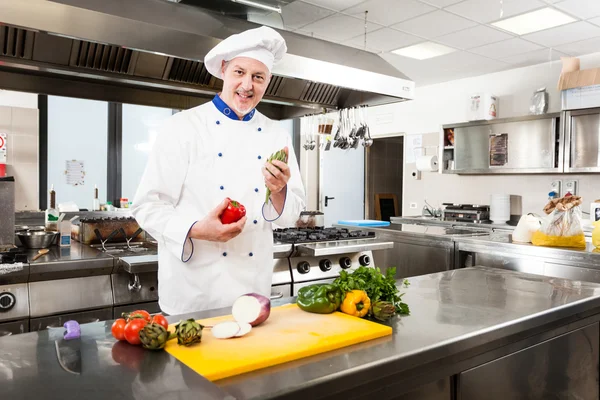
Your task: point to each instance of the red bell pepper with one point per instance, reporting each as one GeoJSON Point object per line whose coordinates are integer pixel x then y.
{"type": "Point", "coordinates": [233, 213]}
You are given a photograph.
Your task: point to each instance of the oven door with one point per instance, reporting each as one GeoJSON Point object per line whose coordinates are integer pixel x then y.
{"type": "Point", "coordinates": [14, 327]}
{"type": "Point", "coordinates": [152, 307]}
{"type": "Point", "coordinates": [300, 285]}
{"type": "Point", "coordinates": [281, 291]}
{"type": "Point", "coordinates": [57, 321]}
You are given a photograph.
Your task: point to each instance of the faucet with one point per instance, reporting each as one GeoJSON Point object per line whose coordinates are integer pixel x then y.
{"type": "Point", "coordinates": [429, 211]}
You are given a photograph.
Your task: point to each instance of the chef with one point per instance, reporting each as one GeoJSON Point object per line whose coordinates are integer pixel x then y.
{"type": "Point", "coordinates": [202, 157]}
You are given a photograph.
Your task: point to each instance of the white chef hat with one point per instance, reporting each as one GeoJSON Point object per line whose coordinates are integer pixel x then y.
{"type": "Point", "coordinates": [263, 44]}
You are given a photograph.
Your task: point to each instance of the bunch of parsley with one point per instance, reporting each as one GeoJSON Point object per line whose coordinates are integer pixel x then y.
{"type": "Point", "coordinates": [377, 285]}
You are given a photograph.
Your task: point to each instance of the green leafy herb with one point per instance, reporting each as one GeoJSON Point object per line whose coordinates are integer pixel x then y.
{"type": "Point", "coordinates": [406, 283]}
{"type": "Point", "coordinates": [377, 285]}
{"type": "Point", "coordinates": [280, 155]}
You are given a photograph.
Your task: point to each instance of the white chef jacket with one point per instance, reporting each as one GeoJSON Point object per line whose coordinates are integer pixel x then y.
{"type": "Point", "coordinates": [201, 156]}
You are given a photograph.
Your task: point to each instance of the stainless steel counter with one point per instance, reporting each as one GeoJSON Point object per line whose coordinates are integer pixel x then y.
{"type": "Point", "coordinates": [421, 220]}
{"type": "Point", "coordinates": [460, 319]}
{"type": "Point", "coordinates": [440, 233]}
{"type": "Point", "coordinates": [69, 262]}
{"type": "Point", "coordinates": [418, 249]}
{"type": "Point", "coordinates": [83, 260]}
{"type": "Point", "coordinates": [493, 227]}
{"type": "Point", "coordinates": [501, 244]}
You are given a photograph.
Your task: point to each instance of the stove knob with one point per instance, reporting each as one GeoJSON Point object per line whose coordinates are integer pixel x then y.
{"type": "Point", "coordinates": [345, 262]}
{"type": "Point", "coordinates": [303, 267]}
{"type": "Point", "coordinates": [7, 301]}
{"type": "Point", "coordinates": [364, 260]}
{"type": "Point", "coordinates": [325, 265]}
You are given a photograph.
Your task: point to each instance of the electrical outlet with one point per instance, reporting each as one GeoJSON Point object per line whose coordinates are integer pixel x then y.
{"type": "Point", "coordinates": [571, 187]}
{"type": "Point", "coordinates": [555, 187]}
{"type": "Point", "coordinates": [416, 174]}
{"type": "Point", "coordinates": [413, 205]}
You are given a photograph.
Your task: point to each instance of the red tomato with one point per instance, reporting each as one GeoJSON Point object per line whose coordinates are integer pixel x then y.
{"type": "Point", "coordinates": [137, 314]}
{"type": "Point", "coordinates": [118, 329]}
{"type": "Point", "coordinates": [161, 320]}
{"type": "Point", "coordinates": [233, 213]}
{"type": "Point", "coordinates": [132, 330]}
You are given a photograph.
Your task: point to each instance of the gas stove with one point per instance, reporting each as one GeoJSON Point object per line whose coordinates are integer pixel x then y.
{"type": "Point", "coordinates": [466, 213]}
{"type": "Point", "coordinates": [12, 256]}
{"type": "Point", "coordinates": [319, 254]}
{"type": "Point", "coordinates": [318, 234]}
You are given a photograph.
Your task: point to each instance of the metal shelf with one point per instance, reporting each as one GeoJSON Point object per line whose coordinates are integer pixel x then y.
{"type": "Point", "coordinates": [342, 246]}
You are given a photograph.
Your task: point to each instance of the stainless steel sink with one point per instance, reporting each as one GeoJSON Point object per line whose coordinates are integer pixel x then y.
{"type": "Point", "coordinates": [441, 230]}
{"type": "Point", "coordinates": [416, 219]}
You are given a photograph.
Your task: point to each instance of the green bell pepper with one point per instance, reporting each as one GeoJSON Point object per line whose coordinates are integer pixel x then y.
{"type": "Point", "coordinates": [320, 298]}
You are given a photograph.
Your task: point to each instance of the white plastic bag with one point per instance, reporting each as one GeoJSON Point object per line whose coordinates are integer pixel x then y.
{"type": "Point", "coordinates": [525, 228]}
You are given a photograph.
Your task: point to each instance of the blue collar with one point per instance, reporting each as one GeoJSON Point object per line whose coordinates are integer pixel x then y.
{"type": "Point", "coordinates": [228, 112]}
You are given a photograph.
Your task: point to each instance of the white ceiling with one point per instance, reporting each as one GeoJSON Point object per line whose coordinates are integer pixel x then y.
{"type": "Point", "coordinates": [461, 24]}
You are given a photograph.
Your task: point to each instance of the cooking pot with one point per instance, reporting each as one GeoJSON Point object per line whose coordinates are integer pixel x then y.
{"type": "Point", "coordinates": [310, 219]}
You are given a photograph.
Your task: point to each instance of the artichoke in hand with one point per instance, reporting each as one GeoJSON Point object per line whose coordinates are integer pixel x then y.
{"type": "Point", "coordinates": [154, 336]}
{"type": "Point", "coordinates": [188, 332]}
{"type": "Point", "coordinates": [383, 310]}
{"type": "Point", "coordinates": [280, 155]}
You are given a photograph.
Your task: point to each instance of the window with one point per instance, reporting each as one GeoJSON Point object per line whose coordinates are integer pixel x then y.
{"type": "Point", "coordinates": [77, 130]}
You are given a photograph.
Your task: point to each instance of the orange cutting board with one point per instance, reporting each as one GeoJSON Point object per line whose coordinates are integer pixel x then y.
{"type": "Point", "coordinates": [289, 334]}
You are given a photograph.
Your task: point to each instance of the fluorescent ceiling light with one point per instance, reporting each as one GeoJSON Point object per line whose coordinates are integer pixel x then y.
{"type": "Point", "coordinates": [424, 50]}
{"type": "Point", "coordinates": [534, 21]}
{"type": "Point", "coordinates": [258, 5]}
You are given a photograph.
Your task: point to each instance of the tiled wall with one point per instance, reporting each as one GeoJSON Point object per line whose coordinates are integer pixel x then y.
{"type": "Point", "coordinates": [21, 127]}
{"type": "Point", "coordinates": [385, 170]}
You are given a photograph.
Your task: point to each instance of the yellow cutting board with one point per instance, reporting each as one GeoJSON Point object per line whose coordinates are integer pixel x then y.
{"type": "Point", "coordinates": [289, 334]}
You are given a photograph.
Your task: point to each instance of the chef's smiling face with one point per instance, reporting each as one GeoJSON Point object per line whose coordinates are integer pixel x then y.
{"type": "Point", "coordinates": [244, 83]}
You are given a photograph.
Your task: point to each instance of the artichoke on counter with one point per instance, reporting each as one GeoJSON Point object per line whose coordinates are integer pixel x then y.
{"type": "Point", "coordinates": [383, 310]}
{"type": "Point", "coordinates": [188, 332]}
{"type": "Point", "coordinates": [154, 336]}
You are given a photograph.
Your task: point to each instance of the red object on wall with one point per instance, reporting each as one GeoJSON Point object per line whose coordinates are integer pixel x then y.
{"type": "Point", "coordinates": [2, 170]}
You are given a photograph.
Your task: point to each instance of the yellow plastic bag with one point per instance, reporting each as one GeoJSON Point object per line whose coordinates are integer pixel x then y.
{"type": "Point", "coordinates": [561, 229]}
{"type": "Point", "coordinates": [541, 239]}
{"type": "Point", "coordinates": [596, 234]}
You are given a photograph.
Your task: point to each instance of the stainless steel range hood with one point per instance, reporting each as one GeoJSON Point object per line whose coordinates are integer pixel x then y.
{"type": "Point", "coordinates": [159, 45]}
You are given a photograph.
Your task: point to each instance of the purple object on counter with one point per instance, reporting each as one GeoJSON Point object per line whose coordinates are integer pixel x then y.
{"type": "Point", "coordinates": [73, 330]}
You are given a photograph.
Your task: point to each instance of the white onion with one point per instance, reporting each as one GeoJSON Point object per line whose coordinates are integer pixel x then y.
{"type": "Point", "coordinates": [245, 328]}
{"type": "Point", "coordinates": [251, 308]}
{"type": "Point", "coordinates": [225, 330]}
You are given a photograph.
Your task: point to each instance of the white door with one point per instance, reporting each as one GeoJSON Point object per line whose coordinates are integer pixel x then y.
{"type": "Point", "coordinates": [342, 189]}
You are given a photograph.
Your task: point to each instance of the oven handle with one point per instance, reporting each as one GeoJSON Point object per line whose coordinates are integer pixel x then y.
{"type": "Point", "coordinates": [276, 295]}
{"type": "Point", "coordinates": [134, 283]}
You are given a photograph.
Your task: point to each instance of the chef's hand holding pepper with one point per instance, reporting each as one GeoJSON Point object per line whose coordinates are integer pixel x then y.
{"type": "Point", "coordinates": [211, 228]}
{"type": "Point", "coordinates": [277, 174]}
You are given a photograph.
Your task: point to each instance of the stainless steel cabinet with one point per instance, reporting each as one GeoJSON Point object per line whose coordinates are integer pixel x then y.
{"type": "Point", "coordinates": [57, 321]}
{"type": "Point", "coordinates": [582, 151]}
{"type": "Point", "coordinates": [535, 265]}
{"type": "Point", "coordinates": [565, 367]}
{"type": "Point", "coordinates": [14, 327]}
{"type": "Point", "coordinates": [419, 256]}
{"type": "Point", "coordinates": [531, 144]}
{"type": "Point", "coordinates": [439, 390]}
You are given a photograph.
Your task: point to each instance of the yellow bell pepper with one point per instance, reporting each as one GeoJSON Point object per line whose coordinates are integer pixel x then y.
{"type": "Point", "coordinates": [356, 303]}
